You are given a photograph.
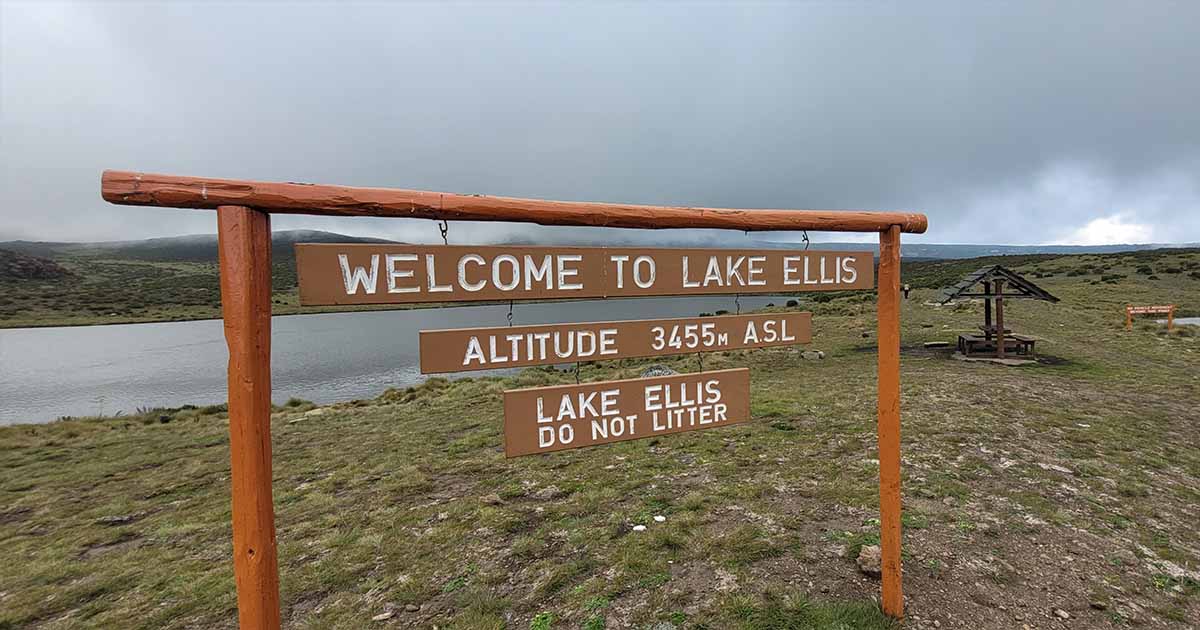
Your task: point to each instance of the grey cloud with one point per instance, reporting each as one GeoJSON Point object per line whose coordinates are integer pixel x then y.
{"type": "Point", "coordinates": [1019, 123]}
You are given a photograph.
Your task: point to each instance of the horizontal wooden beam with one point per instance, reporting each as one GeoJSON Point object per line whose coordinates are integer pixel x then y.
{"type": "Point", "coordinates": [148, 189]}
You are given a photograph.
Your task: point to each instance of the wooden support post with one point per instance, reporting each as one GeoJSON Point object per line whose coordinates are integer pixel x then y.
{"type": "Point", "coordinates": [244, 237]}
{"type": "Point", "coordinates": [987, 310]}
{"type": "Point", "coordinates": [1128, 317]}
{"type": "Point", "coordinates": [889, 420]}
{"type": "Point", "coordinates": [1171, 318]}
{"type": "Point", "coordinates": [1000, 319]}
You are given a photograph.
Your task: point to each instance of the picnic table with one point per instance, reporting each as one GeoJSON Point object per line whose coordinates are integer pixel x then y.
{"type": "Point", "coordinates": [969, 343]}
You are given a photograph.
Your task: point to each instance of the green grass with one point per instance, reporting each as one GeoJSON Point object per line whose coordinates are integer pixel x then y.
{"type": "Point", "coordinates": [407, 499]}
{"type": "Point", "coordinates": [795, 611]}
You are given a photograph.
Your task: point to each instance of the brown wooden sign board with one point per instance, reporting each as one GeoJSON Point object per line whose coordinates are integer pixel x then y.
{"type": "Point", "coordinates": [401, 274]}
{"type": "Point", "coordinates": [465, 349]}
{"type": "Point", "coordinates": [1157, 309]}
{"type": "Point", "coordinates": [1150, 310]}
{"type": "Point", "coordinates": [556, 418]}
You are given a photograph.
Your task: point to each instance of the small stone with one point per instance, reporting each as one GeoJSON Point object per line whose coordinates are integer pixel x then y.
{"type": "Point", "coordinates": [1098, 605]}
{"type": "Point", "coordinates": [949, 501]}
{"type": "Point", "coordinates": [383, 616]}
{"type": "Point", "coordinates": [116, 520]}
{"type": "Point", "coordinates": [492, 499]}
{"type": "Point", "coordinates": [443, 516]}
{"type": "Point", "coordinates": [411, 608]}
{"type": "Point", "coordinates": [639, 528]}
{"type": "Point", "coordinates": [663, 625]}
{"type": "Point", "coordinates": [813, 355]}
{"type": "Point", "coordinates": [869, 560]}
{"type": "Point", "coordinates": [319, 411]}
{"type": "Point", "coordinates": [660, 519]}
{"type": "Point", "coordinates": [547, 493]}
{"type": "Point", "coordinates": [657, 369]}
{"type": "Point", "coordinates": [1061, 614]}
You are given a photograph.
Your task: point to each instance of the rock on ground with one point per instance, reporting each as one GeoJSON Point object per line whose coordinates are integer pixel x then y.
{"type": "Point", "coordinates": [657, 370]}
{"type": "Point", "coordinates": [869, 559]}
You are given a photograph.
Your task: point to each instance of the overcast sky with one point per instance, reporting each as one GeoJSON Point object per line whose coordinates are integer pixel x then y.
{"type": "Point", "coordinates": [1021, 123]}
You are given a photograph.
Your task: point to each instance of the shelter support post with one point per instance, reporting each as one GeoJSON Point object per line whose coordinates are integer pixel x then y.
{"type": "Point", "coordinates": [987, 310]}
{"type": "Point", "coordinates": [244, 243]}
{"type": "Point", "coordinates": [1171, 319]}
{"type": "Point", "coordinates": [889, 420]}
{"type": "Point", "coordinates": [1000, 319]}
{"type": "Point", "coordinates": [1128, 317]}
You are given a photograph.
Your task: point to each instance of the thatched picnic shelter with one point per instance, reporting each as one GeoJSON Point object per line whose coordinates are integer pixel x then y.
{"type": "Point", "coordinates": [995, 284]}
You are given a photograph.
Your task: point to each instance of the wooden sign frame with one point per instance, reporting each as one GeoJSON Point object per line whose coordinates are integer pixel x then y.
{"type": "Point", "coordinates": [244, 237]}
{"type": "Point", "coordinates": [1164, 309]}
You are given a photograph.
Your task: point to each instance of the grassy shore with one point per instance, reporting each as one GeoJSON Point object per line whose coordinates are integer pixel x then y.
{"type": "Point", "coordinates": [1069, 487]}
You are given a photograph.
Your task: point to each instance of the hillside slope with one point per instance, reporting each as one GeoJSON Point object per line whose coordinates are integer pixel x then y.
{"type": "Point", "coordinates": [176, 279]}
{"type": "Point", "coordinates": [1067, 488]}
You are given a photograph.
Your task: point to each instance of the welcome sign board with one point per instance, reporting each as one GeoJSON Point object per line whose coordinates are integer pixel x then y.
{"type": "Point", "coordinates": [396, 274]}
{"type": "Point", "coordinates": [463, 349]}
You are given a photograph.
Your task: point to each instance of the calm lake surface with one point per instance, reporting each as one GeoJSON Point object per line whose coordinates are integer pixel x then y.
{"type": "Point", "coordinates": [46, 373]}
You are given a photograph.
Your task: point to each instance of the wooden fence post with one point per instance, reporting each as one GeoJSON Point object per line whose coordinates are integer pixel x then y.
{"type": "Point", "coordinates": [889, 420]}
{"type": "Point", "coordinates": [244, 237]}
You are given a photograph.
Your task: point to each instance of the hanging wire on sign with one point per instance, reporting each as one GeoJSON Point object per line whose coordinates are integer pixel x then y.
{"type": "Point", "coordinates": [510, 314]}
{"type": "Point", "coordinates": [445, 229]}
{"type": "Point", "coordinates": [700, 360]}
{"type": "Point", "coordinates": [737, 302]}
{"type": "Point", "coordinates": [576, 372]}
{"type": "Point", "coordinates": [805, 238]}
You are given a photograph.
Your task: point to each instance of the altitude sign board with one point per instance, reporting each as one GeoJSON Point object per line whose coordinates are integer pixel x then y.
{"type": "Point", "coordinates": [463, 349]}
{"type": "Point", "coordinates": [399, 273]}
{"type": "Point", "coordinates": [546, 419]}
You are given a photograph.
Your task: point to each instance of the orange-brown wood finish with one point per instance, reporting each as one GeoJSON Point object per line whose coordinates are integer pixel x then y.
{"type": "Point", "coordinates": [889, 420]}
{"type": "Point", "coordinates": [1168, 310]}
{"type": "Point", "coordinates": [244, 237]}
{"type": "Point", "coordinates": [244, 230]}
{"type": "Point", "coordinates": [149, 189]}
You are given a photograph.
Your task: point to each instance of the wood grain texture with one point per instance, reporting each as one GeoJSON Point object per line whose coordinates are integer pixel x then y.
{"type": "Point", "coordinates": [440, 273]}
{"type": "Point", "coordinates": [149, 189]}
{"type": "Point", "coordinates": [244, 237]}
{"type": "Point", "coordinates": [466, 349]}
{"type": "Point", "coordinates": [615, 411]}
{"type": "Point", "coordinates": [889, 421]}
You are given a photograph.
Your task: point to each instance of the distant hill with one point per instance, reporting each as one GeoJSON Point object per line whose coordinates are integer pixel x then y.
{"type": "Point", "coordinates": [22, 266]}
{"type": "Point", "coordinates": [176, 278]}
{"type": "Point", "coordinates": [192, 248]}
{"type": "Point", "coordinates": [203, 247]}
{"type": "Point", "coordinates": [648, 238]}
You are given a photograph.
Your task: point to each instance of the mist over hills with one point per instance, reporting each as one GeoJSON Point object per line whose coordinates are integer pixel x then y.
{"type": "Point", "coordinates": [203, 247]}
{"type": "Point", "coordinates": [190, 248]}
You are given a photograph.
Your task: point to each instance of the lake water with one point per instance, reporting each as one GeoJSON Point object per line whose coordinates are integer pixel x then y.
{"type": "Point", "coordinates": [46, 373]}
